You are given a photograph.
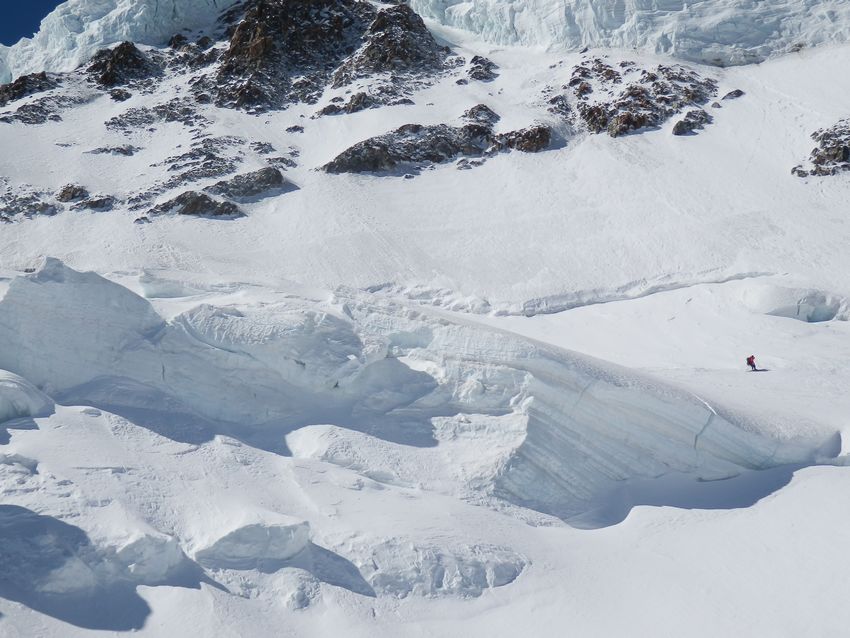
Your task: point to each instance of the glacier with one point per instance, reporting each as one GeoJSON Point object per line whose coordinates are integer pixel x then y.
{"type": "Point", "coordinates": [720, 32]}
{"type": "Point", "coordinates": [76, 29]}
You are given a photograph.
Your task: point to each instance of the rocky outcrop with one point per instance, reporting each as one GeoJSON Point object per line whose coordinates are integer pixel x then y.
{"type": "Point", "coordinates": [482, 114]}
{"type": "Point", "coordinates": [25, 86]}
{"type": "Point", "coordinates": [532, 139]}
{"type": "Point", "coordinates": [176, 110]}
{"type": "Point", "coordinates": [694, 120]}
{"type": "Point", "coordinates": [72, 193]}
{"type": "Point", "coordinates": [97, 204]}
{"type": "Point", "coordinates": [251, 186]}
{"type": "Point", "coordinates": [122, 65]}
{"type": "Point", "coordinates": [482, 69]}
{"type": "Point", "coordinates": [626, 98]}
{"type": "Point", "coordinates": [413, 147]}
{"type": "Point", "coordinates": [397, 43]}
{"type": "Point", "coordinates": [126, 150]}
{"type": "Point", "coordinates": [832, 153]}
{"type": "Point", "coordinates": [284, 51]}
{"type": "Point", "coordinates": [197, 205]}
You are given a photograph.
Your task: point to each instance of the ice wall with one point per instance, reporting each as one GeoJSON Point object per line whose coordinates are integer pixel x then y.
{"type": "Point", "coordinates": [714, 31]}
{"type": "Point", "coordinates": [76, 29]}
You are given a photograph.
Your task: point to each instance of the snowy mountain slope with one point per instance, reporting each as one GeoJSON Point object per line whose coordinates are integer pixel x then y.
{"type": "Point", "coordinates": [710, 31]}
{"type": "Point", "coordinates": [324, 325]}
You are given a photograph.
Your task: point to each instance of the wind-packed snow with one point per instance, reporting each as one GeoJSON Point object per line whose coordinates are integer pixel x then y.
{"type": "Point", "coordinates": [76, 29]}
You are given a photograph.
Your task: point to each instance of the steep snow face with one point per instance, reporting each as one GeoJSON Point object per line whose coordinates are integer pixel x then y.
{"type": "Point", "coordinates": [714, 31]}
{"type": "Point", "coordinates": [76, 29]}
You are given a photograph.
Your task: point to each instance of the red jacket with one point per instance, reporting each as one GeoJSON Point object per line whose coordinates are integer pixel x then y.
{"type": "Point", "coordinates": [751, 360]}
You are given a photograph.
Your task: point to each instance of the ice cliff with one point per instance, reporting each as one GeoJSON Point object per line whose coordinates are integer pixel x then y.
{"type": "Point", "coordinates": [713, 31]}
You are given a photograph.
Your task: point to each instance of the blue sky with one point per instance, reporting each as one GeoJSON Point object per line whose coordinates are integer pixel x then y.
{"type": "Point", "coordinates": [22, 17]}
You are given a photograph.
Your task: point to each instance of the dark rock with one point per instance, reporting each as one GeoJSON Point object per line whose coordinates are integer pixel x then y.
{"type": "Point", "coordinates": [397, 42]}
{"type": "Point", "coordinates": [284, 51]}
{"type": "Point", "coordinates": [176, 110]}
{"type": "Point", "coordinates": [198, 205]}
{"type": "Point", "coordinates": [127, 150]}
{"type": "Point", "coordinates": [178, 41]}
{"type": "Point", "coordinates": [144, 219]}
{"type": "Point", "coordinates": [415, 146]}
{"type": "Point", "coordinates": [358, 102]}
{"type": "Point", "coordinates": [412, 145]}
{"type": "Point", "coordinates": [732, 95]}
{"type": "Point", "coordinates": [207, 158]}
{"type": "Point", "coordinates": [72, 193]}
{"type": "Point", "coordinates": [99, 204]}
{"type": "Point", "coordinates": [482, 69]}
{"type": "Point", "coordinates": [528, 140]}
{"type": "Point", "coordinates": [43, 110]}
{"type": "Point", "coordinates": [25, 86]}
{"type": "Point", "coordinates": [832, 154]}
{"type": "Point", "coordinates": [295, 129]}
{"type": "Point", "coordinates": [694, 120]}
{"type": "Point", "coordinates": [251, 186]}
{"type": "Point", "coordinates": [26, 203]}
{"type": "Point", "coordinates": [262, 148]}
{"type": "Point", "coordinates": [281, 162]}
{"type": "Point", "coordinates": [633, 99]}
{"type": "Point", "coordinates": [121, 65]}
{"type": "Point", "coordinates": [482, 114]}
{"type": "Point", "coordinates": [120, 95]}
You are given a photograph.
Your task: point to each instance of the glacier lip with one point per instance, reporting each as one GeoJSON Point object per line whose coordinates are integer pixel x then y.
{"type": "Point", "coordinates": [713, 31]}
{"type": "Point", "coordinates": [76, 29]}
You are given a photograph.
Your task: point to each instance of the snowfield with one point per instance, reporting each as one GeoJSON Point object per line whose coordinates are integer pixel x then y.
{"type": "Point", "coordinates": [495, 395]}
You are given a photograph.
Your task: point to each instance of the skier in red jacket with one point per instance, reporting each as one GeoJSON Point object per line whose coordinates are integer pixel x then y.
{"type": "Point", "coordinates": [751, 361]}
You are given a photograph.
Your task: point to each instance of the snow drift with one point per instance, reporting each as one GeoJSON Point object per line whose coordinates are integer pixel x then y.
{"type": "Point", "coordinates": [380, 367]}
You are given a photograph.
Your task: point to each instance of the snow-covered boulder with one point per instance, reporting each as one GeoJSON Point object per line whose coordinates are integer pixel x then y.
{"type": "Point", "coordinates": [20, 398]}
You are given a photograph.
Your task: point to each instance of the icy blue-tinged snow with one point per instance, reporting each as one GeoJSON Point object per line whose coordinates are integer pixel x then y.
{"type": "Point", "coordinates": [714, 31]}
{"type": "Point", "coordinates": [76, 29]}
